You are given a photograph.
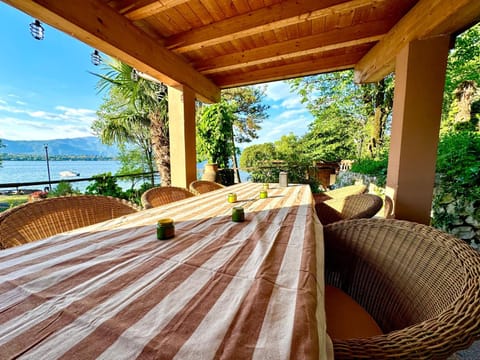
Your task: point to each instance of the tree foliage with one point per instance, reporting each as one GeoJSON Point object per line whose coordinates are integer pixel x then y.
{"type": "Point", "coordinates": [215, 134]}
{"type": "Point", "coordinates": [265, 161]}
{"type": "Point", "coordinates": [243, 111]}
{"type": "Point", "coordinates": [463, 65]}
{"type": "Point", "coordinates": [248, 111]}
{"type": "Point", "coordinates": [135, 110]}
{"type": "Point", "coordinates": [332, 136]}
{"type": "Point", "coordinates": [359, 114]}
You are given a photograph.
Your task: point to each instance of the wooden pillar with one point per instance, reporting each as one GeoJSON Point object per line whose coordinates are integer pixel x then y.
{"type": "Point", "coordinates": [417, 106]}
{"type": "Point", "coordinates": [181, 115]}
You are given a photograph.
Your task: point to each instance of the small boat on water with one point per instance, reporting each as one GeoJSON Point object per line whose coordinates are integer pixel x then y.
{"type": "Point", "coordinates": [68, 173]}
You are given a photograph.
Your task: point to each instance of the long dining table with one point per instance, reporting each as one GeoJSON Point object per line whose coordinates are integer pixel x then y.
{"type": "Point", "coordinates": [218, 289]}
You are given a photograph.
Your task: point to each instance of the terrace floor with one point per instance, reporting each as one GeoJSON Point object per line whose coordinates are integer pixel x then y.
{"type": "Point", "coordinates": [472, 353]}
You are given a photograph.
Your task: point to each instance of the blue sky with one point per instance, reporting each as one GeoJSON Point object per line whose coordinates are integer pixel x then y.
{"type": "Point", "coordinates": [47, 92]}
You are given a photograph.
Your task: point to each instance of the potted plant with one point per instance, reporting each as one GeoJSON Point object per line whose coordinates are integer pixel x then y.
{"type": "Point", "coordinates": [214, 139]}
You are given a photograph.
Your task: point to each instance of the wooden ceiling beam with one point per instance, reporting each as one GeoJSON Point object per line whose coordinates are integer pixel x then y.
{"type": "Point", "coordinates": [314, 44]}
{"type": "Point", "coordinates": [265, 19]}
{"type": "Point", "coordinates": [426, 19]}
{"type": "Point", "coordinates": [143, 9]}
{"type": "Point", "coordinates": [293, 70]}
{"type": "Point", "coordinates": [98, 25]}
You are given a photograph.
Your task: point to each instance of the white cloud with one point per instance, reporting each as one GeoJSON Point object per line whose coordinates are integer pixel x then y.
{"type": "Point", "coordinates": [278, 90]}
{"type": "Point", "coordinates": [292, 113]}
{"type": "Point", "coordinates": [292, 102]}
{"type": "Point", "coordinates": [283, 124]}
{"type": "Point", "coordinates": [19, 123]}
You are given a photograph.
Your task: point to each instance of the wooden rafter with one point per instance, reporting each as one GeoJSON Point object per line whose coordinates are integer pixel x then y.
{"type": "Point", "coordinates": [265, 19]}
{"type": "Point", "coordinates": [143, 9]}
{"type": "Point", "coordinates": [428, 18]}
{"type": "Point", "coordinates": [101, 27]}
{"type": "Point", "coordinates": [314, 44]}
{"type": "Point", "coordinates": [297, 69]}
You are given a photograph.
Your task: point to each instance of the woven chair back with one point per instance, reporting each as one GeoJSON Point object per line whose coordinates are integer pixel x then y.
{"type": "Point", "coordinates": [420, 285]}
{"type": "Point", "coordinates": [203, 186]}
{"type": "Point", "coordinates": [40, 219]}
{"type": "Point", "coordinates": [351, 207]}
{"type": "Point", "coordinates": [388, 211]}
{"type": "Point", "coordinates": [346, 191]}
{"type": "Point", "coordinates": [163, 195]}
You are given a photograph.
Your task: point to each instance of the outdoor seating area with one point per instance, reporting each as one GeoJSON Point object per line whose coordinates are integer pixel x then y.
{"type": "Point", "coordinates": [391, 286]}
{"type": "Point", "coordinates": [253, 270]}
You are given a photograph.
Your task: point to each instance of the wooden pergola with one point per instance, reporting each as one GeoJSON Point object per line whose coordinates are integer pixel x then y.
{"type": "Point", "coordinates": [198, 47]}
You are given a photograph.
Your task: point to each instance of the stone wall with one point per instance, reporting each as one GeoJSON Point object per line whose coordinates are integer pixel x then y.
{"type": "Point", "coordinates": [464, 218]}
{"type": "Point", "coordinates": [460, 218]}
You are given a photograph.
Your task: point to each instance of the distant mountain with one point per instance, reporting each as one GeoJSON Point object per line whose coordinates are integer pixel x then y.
{"type": "Point", "coordinates": [90, 146]}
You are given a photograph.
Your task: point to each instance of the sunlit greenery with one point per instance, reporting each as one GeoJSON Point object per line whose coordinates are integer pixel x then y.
{"type": "Point", "coordinates": [135, 111]}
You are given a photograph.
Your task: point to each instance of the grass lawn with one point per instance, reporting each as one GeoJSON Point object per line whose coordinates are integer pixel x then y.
{"type": "Point", "coordinates": [7, 201]}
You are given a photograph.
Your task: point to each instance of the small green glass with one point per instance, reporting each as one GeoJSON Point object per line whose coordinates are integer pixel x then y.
{"type": "Point", "coordinates": [263, 194]}
{"type": "Point", "coordinates": [238, 214]}
{"type": "Point", "coordinates": [165, 229]}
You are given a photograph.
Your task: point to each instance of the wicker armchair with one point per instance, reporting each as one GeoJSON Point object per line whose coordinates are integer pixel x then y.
{"type": "Point", "coordinates": [162, 195]}
{"type": "Point", "coordinates": [346, 191]}
{"type": "Point", "coordinates": [388, 211]}
{"type": "Point", "coordinates": [351, 207]}
{"type": "Point", "coordinates": [203, 186]}
{"type": "Point", "coordinates": [422, 286]}
{"type": "Point", "coordinates": [40, 219]}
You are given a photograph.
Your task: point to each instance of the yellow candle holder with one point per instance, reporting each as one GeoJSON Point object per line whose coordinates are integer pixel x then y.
{"type": "Point", "coordinates": [232, 197]}
{"type": "Point", "coordinates": [263, 194]}
{"type": "Point", "coordinates": [266, 186]}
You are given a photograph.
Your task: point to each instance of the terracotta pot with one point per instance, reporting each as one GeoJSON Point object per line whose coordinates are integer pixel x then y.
{"type": "Point", "coordinates": [210, 172]}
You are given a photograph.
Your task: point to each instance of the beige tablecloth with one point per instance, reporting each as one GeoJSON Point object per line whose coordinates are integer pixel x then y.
{"type": "Point", "coordinates": [218, 289]}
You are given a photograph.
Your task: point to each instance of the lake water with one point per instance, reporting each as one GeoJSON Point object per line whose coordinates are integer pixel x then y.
{"type": "Point", "coordinates": [33, 171]}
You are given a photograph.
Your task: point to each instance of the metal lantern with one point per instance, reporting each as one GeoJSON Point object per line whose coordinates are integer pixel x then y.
{"type": "Point", "coordinates": [37, 30]}
{"type": "Point", "coordinates": [134, 75]}
{"type": "Point", "coordinates": [95, 57]}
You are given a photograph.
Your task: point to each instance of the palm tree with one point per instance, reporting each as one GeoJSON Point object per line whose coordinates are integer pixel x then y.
{"type": "Point", "coordinates": [140, 104]}
{"type": "Point", "coordinates": [119, 124]}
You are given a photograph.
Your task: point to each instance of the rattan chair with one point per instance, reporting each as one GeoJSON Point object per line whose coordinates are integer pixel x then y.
{"type": "Point", "coordinates": [351, 207]}
{"type": "Point", "coordinates": [40, 219]}
{"type": "Point", "coordinates": [422, 287]}
{"type": "Point", "coordinates": [346, 191]}
{"type": "Point", "coordinates": [162, 195]}
{"type": "Point", "coordinates": [388, 211]}
{"type": "Point", "coordinates": [203, 186]}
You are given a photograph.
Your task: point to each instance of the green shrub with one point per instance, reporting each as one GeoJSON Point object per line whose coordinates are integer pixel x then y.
{"type": "Point", "coordinates": [457, 194]}
{"type": "Point", "coordinates": [63, 188]}
{"type": "Point", "coordinates": [377, 168]}
{"type": "Point", "coordinates": [105, 184]}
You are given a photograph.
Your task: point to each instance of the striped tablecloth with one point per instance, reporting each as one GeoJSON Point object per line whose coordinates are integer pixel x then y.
{"type": "Point", "coordinates": [218, 289]}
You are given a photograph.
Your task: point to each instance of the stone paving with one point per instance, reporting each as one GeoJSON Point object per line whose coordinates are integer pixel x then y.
{"type": "Point", "coordinates": [472, 353]}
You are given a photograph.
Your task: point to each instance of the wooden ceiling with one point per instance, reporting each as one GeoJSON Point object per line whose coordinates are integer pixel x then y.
{"type": "Point", "coordinates": [212, 44]}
